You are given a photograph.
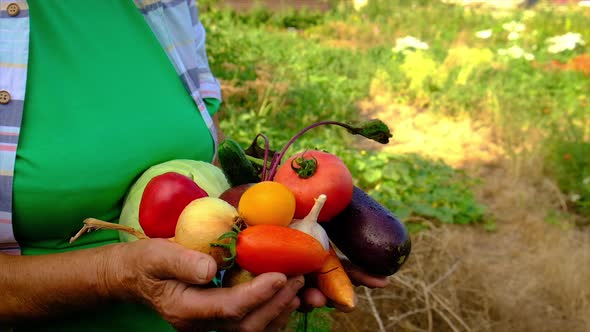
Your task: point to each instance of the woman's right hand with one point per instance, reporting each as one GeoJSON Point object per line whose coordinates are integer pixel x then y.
{"type": "Point", "coordinates": [170, 278]}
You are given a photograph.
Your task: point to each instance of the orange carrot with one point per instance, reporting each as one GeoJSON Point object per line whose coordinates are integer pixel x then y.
{"type": "Point", "coordinates": [333, 281]}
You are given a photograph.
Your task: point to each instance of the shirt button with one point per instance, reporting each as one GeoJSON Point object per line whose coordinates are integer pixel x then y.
{"type": "Point", "coordinates": [13, 9]}
{"type": "Point", "coordinates": [4, 97]}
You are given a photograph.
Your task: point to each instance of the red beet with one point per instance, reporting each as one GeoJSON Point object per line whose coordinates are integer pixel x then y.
{"type": "Point", "coordinates": [233, 194]}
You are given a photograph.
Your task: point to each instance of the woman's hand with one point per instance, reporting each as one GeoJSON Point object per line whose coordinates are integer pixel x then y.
{"type": "Point", "coordinates": [361, 278]}
{"type": "Point", "coordinates": [170, 279]}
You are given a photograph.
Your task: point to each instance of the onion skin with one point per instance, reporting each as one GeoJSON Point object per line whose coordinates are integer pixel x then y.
{"type": "Point", "coordinates": [202, 222]}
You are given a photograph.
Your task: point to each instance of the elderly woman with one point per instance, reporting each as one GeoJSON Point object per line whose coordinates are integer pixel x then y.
{"type": "Point", "coordinates": [92, 93]}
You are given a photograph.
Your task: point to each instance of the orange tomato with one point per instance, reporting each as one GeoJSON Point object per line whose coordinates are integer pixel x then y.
{"type": "Point", "coordinates": [267, 203]}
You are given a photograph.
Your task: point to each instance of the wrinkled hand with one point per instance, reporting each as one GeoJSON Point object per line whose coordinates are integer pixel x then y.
{"type": "Point", "coordinates": [170, 279]}
{"type": "Point", "coordinates": [312, 298]}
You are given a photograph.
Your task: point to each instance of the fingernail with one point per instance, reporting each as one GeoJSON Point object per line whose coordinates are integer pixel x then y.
{"type": "Point", "coordinates": [299, 282]}
{"type": "Point", "coordinates": [203, 268]}
{"type": "Point", "coordinates": [279, 284]}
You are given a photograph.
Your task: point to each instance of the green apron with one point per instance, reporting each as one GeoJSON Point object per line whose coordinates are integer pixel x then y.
{"type": "Point", "coordinates": [103, 104]}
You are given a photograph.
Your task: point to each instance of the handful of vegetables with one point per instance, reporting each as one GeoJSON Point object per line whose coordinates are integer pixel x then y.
{"type": "Point", "coordinates": [257, 214]}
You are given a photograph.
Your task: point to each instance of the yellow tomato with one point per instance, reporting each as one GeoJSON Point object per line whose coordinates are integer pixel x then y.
{"type": "Point", "coordinates": [267, 202]}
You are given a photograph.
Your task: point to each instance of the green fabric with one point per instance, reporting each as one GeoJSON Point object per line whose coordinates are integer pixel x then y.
{"type": "Point", "coordinates": [212, 105]}
{"type": "Point", "coordinates": [103, 104]}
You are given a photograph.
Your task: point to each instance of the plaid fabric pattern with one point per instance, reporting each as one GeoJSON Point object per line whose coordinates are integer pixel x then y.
{"type": "Point", "coordinates": [175, 24]}
{"type": "Point", "coordinates": [14, 51]}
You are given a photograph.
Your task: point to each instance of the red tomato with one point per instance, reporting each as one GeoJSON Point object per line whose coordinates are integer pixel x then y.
{"type": "Point", "coordinates": [271, 248]}
{"type": "Point", "coordinates": [331, 178]}
{"type": "Point", "coordinates": [162, 201]}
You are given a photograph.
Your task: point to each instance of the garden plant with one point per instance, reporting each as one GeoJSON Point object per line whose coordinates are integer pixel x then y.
{"type": "Point", "coordinates": [489, 164]}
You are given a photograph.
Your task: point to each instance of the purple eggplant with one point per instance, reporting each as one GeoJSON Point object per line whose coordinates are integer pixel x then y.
{"type": "Point", "coordinates": [370, 236]}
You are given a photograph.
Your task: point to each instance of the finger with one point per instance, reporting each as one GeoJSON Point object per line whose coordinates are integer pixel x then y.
{"type": "Point", "coordinates": [172, 261]}
{"type": "Point", "coordinates": [262, 316]}
{"type": "Point", "coordinates": [361, 278]}
{"type": "Point", "coordinates": [313, 298]}
{"type": "Point", "coordinates": [283, 319]}
{"type": "Point", "coordinates": [230, 304]}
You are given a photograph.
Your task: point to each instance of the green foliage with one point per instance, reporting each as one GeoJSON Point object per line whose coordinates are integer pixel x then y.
{"type": "Point", "coordinates": [468, 61]}
{"type": "Point", "coordinates": [410, 185]}
{"type": "Point", "coordinates": [301, 77]}
{"type": "Point", "coordinates": [569, 163]}
{"type": "Point", "coordinates": [418, 67]}
{"type": "Point", "coordinates": [317, 321]}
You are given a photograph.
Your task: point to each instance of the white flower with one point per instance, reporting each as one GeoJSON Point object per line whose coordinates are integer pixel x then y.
{"type": "Point", "coordinates": [513, 26]}
{"type": "Point", "coordinates": [586, 181]}
{"type": "Point", "coordinates": [359, 4]}
{"type": "Point", "coordinates": [513, 35]}
{"type": "Point", "coordinates": [484, 34]}
{"type": "Point", "coordinates": [584, 3]}
{"type": "Point", "coordinates": [569, 41]}
{"type": "Point", "coordinates": [516, 52]}
{"type": "Point", "coordinates": [575, 197]}
{"type": "Point", "coordinates": [409, 42]}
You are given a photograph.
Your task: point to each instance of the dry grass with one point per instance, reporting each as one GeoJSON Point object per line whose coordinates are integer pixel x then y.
{"type": "Point", "coordinates": [266, 90]}
{"type": "Point", "coordinates": [528, 275]}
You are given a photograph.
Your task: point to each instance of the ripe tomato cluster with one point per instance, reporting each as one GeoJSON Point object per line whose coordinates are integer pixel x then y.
{"type": "Point", "coordinates": [270, 207]}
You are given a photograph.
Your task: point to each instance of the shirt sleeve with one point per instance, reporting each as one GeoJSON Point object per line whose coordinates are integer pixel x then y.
{"type": "Point", "coordinates": [212, 105]}
{"type": "Point", "coordinates": [208, 84]}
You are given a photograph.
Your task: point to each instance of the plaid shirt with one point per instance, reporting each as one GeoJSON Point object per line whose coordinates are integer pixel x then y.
{"type": "Point", "coordinates": [175, 24]}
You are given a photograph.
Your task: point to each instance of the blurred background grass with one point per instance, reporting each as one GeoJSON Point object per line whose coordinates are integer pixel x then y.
{"type": "Point", "coordinates": [492, 132]}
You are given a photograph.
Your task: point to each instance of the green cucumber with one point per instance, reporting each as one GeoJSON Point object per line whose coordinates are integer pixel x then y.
{"type": "Point", "coordinates": [235, 164]}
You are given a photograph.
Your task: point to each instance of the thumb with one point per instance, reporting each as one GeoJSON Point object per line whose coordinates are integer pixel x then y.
{"type": "Point", "coordinates": [232, 303]}
{"type": "Point", "coordinates": [174, 261]}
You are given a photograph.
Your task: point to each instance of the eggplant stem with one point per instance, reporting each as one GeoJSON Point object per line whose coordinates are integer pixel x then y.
{"type": "Point", "coordinates": [91, 224]}
{"type": "Point", "coordinates": [373, 129]}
